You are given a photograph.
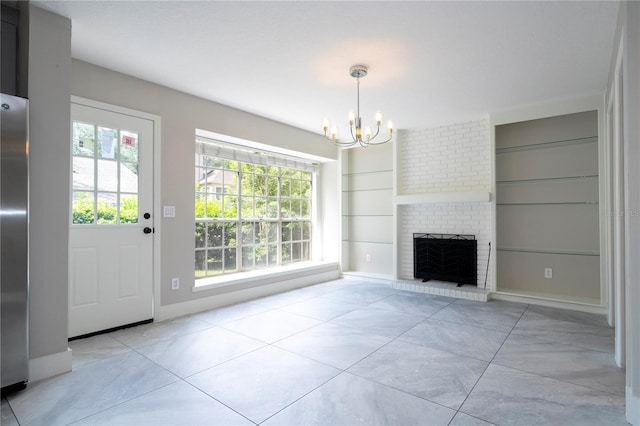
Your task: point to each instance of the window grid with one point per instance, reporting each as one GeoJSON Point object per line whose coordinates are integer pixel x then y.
{"type": "Point", "coordinates": [260, 219]}
{"type": "Point", "coordinates": [99, 197]}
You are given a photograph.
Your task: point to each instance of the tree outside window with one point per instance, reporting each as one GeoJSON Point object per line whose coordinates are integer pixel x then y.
{"type": "Point", "coordinates": [249, 216]}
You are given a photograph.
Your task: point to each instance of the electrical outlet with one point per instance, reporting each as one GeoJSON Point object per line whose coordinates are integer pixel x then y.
{"type": "Point", "coordinates": [175, 283]}
{"type": "Point", "coordinates": [548, 273]}
{"type": "Point", "coordinates": [368, 258]}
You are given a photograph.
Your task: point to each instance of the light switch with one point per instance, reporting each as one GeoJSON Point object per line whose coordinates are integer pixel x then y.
{"type": "Point", "coordinates": [169, 211]}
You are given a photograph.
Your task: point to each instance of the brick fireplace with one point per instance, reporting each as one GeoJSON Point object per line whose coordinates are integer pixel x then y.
{"type": "Point", "coordinates": [443, 185]}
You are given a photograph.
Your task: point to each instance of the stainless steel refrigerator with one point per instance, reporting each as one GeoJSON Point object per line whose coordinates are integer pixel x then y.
{"type": "Point", "coordinates": [14, 236]}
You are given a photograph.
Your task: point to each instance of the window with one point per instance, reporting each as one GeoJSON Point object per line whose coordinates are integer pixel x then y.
{"type": "Point", "coordinates": [105, 175]}
{"type": "Point", "coordinates": [252, 210]}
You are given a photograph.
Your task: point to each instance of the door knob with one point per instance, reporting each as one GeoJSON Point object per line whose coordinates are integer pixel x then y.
{"type": "Point", "coordinates": [146, 215]}
{"type": "Point", "coordinates": [147, 230]}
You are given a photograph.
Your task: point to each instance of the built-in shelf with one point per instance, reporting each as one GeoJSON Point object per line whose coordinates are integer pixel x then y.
{"type": "Point", "coordinates": [551, 179]}
{"type": "Point", "coordinates": [557, 203]}
{"type": "Point", "coordinates": [550, 251]}
{"type": "Point", "coordinates": [366, 190]}
{"type": "Point", "coordinates": [373, 172]}
{"type": "Point", "coordinates": [443, 198]}
{"type": "Point", "coordinates": [367, 242]}
{"type": "Point", "coordinates": [367, 215]}
{"type": "Point", "coordinates": [554, 144]}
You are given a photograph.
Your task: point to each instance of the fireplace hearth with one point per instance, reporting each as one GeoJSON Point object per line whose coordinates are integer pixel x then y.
{"type": "Point", "coordinates": [446, 257]}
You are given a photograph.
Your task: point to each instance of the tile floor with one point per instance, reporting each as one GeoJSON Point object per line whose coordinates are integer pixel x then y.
{"type": "Point", "coordinates": [340, 353]}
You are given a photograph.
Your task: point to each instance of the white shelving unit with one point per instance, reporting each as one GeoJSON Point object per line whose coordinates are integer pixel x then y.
{"type": "Point", "coordinates": [443, 197]}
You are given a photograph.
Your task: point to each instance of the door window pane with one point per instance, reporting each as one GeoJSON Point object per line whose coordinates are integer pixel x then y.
{"type": "Point", "coordinates": [128, 208]}
{"type": "Point", "coordinates": [107, 175]}
{"type": "Point", "coordinates": [128, 146]}
{"type": "Point", "coordinates": [129, 177]}
{"type": "Point", "coordinates": [83, 173]}
{"type": "Point", "coordinates": [107, 212]}
{"type": "Point", "coordinates": [83, 208]}
{"type": "Point", "coordinates": [84, 139]}
{"type": "Point", "coordinates": [107, 142]}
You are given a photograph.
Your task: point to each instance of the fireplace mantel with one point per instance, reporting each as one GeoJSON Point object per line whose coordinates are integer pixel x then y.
{"type": "Point", "coordinates": [443, 198]}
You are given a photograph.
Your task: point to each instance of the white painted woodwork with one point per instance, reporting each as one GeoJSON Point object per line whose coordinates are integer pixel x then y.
{"type": "Point", "coordinates": [111, 265]}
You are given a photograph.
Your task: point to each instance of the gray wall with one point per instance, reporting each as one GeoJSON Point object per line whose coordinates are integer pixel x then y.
{"type": "Point", "coordinates": [53, 77]}
{"type": "Point", "coordinates": [49, 156]}
{"type": "Point", "coordinates": [367, 209]}
{"type": "Point", "coordinates": [329, 214]}
{"type": "Point", "coordinates": [181, 114]}
{"type": "Point", "coordinates": [547, 211]}
{"type": "Point", "coordinates": [629, 30]}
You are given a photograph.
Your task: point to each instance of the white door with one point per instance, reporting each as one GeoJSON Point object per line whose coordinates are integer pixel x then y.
{"type": "Point", "coordinates": [111, 224]}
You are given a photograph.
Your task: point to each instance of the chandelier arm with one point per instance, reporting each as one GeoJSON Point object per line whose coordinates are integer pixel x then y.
{"type": "Point", "coordinates": [342, 143]}
{"type": "Point", "coordinates": [374, 136]}
{"type": "Point", "coordinates": [381, 142]}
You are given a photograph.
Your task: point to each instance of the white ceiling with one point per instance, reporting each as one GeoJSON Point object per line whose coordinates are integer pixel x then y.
{"type": "Point", "coordinates": [430, 63]}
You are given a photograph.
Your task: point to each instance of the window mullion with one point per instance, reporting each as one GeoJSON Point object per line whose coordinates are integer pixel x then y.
{"type": "Point", "coordinates": [117, 155]}
{"type": "Point", "coordinates": [239, 220]}
{"type": "Point", "coordinates": [95, 175]}
{"type": "Point", "coordinates": [279, 238]}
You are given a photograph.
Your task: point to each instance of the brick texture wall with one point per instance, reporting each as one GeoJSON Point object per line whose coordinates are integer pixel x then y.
{"type": "Point", "coordinates": [453, 158]}
{"type": "Point", "coordinates": [445, 159]}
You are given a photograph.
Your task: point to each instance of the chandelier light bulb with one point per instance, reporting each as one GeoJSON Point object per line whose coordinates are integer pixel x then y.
{"type": "Point", "coordinates": [355, 122]}
{"type": "Point", "coordinates": [325, 124]}
{"type": "Point", "coordinates": [367, 133]}
{"type": "Point", "coordinates": [352, 117]}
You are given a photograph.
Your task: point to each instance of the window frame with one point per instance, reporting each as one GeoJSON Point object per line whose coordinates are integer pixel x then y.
{"type": "Point", "coordinates": [271, 260]}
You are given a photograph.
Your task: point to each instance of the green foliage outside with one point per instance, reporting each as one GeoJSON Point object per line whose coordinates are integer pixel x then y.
{"type": "Point", "coordinates": [261, 189]}
{"type": "Point", "coordinates": [83, 211]}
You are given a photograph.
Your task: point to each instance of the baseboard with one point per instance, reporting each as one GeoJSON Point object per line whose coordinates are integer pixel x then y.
{"type": "Point", "coordinates": [369, 276]}
{"type": "Point", "coordinates": [632, 404]}
{"type": "Point", "coordinates": [225, 299]}
{"type": "Point", "coordinates": [560, 304]}
{"type": "Point", "coordinates": [49, 365]}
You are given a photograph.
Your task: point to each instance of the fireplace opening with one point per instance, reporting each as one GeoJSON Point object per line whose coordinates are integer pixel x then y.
{"type": "Point", "coordinates": [446, 257]}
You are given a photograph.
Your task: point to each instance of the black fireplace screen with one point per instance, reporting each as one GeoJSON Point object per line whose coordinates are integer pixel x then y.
{"type": "Point", "coordinates": [446, 257]}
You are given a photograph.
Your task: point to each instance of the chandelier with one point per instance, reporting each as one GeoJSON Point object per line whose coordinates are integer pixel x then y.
{"type": "Point", "coordinates": [367, 137]}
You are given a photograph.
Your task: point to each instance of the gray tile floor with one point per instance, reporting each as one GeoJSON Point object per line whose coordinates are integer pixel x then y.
{"type": "Point", "coordinates": [340, 353]}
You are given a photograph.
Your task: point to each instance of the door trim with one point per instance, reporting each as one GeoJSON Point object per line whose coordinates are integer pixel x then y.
{"type": "Point", "coordinates": [157, 174]}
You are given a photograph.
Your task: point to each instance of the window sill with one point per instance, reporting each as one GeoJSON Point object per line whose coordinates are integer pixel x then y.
{"type": "Point", "coordinates": [230, 280]}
